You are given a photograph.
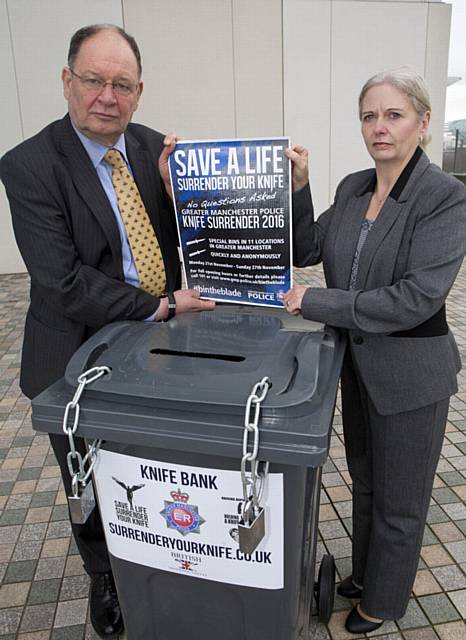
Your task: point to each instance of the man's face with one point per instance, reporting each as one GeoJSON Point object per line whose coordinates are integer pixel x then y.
{"type": "Point", "coordinates": [102, 114]}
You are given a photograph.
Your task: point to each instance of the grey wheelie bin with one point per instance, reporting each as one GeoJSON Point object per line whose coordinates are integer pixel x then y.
{"type": "Point", "coordinates": [193, 556]}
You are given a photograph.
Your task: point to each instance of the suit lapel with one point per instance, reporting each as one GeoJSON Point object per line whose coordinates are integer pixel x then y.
{"type": "Point", "coordinates": [353, 216]}
{"type": "Point", "coordinates": [87, 183]}
{"type": "Point", "coordinates": [421, 166]}
{"type": "Point", "coordinates": [147, 179]}
{"type": "Point", "coordinates": [390, 212]}
{"type": "Point", "coordinates": [145, 175]}
{"type": "Point", "coordinates": [385, 220]}
{"type": "Point", "coordinates": [347, 237]}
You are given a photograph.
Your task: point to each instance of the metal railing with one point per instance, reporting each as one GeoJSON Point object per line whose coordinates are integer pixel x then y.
{"type": "Point", "coordinates": [454, 150]}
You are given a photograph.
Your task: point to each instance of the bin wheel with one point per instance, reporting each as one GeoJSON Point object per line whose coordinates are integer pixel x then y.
{"type": "Point", "coordinates": [325, 588]}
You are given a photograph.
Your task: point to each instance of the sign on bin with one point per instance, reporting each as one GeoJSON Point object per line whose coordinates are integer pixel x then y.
{"type": "Point", "coordinates": [184, 519]}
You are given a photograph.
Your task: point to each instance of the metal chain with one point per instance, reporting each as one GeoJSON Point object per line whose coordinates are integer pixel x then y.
{"type": "Point", "coordinates": [253, 484]}
{"type": "Point", "coordinates": [72, 411]}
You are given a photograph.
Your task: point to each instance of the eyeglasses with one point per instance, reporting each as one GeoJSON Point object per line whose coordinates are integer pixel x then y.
{"type": "Point", "coordinates": [96, 85]}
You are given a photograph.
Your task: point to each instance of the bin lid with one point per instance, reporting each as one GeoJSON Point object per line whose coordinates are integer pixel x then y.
{"type": "Point", "coordinates": [209, 358]}
{"type": "Point", "coordinates": [199, 369]}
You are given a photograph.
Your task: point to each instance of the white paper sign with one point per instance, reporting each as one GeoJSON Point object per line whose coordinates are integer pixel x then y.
{"type": "Point", "coordinates": [184, 519]}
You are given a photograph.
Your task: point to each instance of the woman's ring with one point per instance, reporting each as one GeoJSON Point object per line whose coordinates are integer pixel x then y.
{"type": "Point", "coordinates": [287, 303]}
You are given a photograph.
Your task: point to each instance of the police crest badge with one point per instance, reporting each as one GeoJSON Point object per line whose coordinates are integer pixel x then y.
{"type": "Point", "coordinates": [180, 515]}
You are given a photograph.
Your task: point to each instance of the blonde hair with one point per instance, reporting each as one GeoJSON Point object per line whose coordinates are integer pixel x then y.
{"type": "Point", "coordinates": [409, 82]}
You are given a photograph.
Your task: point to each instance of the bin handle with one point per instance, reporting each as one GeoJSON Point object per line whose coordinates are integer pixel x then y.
{"type": "Point", "coordinates": [86, 356]}
{"type": "Point", "coordinates": [304, 358]}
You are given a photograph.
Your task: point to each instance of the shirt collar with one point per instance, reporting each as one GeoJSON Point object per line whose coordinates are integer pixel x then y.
{"type": "Point", "coordinates": [403, 178]}
{"type": "Point", "coordinates": [96, 151]}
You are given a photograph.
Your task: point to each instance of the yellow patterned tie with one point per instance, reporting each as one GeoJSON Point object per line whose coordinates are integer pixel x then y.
{"type": "Point", "coordinates": [141, 235]}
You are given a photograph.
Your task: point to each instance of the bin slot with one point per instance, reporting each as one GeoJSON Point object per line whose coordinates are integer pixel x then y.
{"type": "Point", "coordinates": [197, 354]}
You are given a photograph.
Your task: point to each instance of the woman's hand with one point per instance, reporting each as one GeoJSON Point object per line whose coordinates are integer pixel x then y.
{"type": "Point", "coordinates": [299, 165]}
{"type": "Point", "coordinates": [293, 298]}
{"type": "Point", "coordinates": [169, 144]}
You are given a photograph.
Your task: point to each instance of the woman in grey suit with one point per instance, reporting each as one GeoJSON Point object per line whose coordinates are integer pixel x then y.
{"type": "Point", "coordinates": [391, 246]}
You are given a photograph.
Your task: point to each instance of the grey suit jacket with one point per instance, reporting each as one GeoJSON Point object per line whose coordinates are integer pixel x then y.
{"type": "Point", "coordinates": [407, 267]}
{"type": "Point", "coordinates": [68, 236]}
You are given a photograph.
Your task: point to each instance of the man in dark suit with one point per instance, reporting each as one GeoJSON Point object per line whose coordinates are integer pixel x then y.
{"type": "Point", "coordinates": [71, 233]}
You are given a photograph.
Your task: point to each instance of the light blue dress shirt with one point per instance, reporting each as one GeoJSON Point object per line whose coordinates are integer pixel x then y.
{"type": "Point", "coordinates": [96, 153]}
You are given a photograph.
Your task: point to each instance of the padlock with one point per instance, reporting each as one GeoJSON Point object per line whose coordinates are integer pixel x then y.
{"type": "Point", "coordinates": [82, 502]}
{"type": "Point", "coordinates": [251, 529]}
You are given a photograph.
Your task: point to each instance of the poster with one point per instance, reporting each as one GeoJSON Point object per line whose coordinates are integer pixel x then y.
{"type": "Point", "coordinates": [184, 519]}
{"type": "Point", "coordinates": [233, 204]}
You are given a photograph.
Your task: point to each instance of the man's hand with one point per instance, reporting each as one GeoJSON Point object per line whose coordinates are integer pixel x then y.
{"type": "Point", "coordinates": [186, 300]}
{"type": "Point", "coordinates": [299, 165]}
{"type": "Point", "coordinates": [169, 144]}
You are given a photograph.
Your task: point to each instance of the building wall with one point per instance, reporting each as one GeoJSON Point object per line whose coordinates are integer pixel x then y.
{"type": "Point", "coordinates": [218, 68]}
{"type": "Point", "coordinates": [330, 50]}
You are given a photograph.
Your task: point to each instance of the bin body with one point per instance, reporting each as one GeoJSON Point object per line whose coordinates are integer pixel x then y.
{"type": "Point", "coordinates": [169, 606]}
{"type": "Point", "coordinates": [175, 400]}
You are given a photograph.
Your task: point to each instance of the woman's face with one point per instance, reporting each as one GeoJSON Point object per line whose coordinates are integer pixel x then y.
{"type": "Point", "coordinates": [390, 125]}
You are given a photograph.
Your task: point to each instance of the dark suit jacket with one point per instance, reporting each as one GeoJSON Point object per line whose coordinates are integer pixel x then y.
{"type": "Point", "coordinates": [68, 236]}
{"type": "Point", "coordinates": [400, 344]}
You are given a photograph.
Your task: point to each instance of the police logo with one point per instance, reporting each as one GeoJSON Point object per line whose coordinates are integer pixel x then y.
{"type": "Point", "coordinates": [181, 516]}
